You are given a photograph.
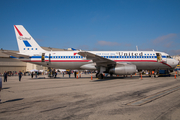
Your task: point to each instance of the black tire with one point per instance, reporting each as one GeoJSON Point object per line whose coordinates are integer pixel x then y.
{"type": "Point", "coordinates": [111, 75]}
{"type": "Point", "coordinates": [100, 76]}
{"type": "Point", "coordinates": [97, 75]}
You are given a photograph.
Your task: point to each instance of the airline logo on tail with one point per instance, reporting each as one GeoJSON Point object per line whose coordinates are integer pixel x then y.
{"type": "Point", "coordinates": [26, 43]}
{"type": "Point", "coordinates": [20, 34]}
{"type": "Point", "coordinates": [24, 38]}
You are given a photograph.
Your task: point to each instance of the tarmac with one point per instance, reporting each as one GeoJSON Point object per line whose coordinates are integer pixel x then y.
{"type": "Point", "coordinates": [115, 98]}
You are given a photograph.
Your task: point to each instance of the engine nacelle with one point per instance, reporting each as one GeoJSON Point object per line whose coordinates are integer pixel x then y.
{"type": "Point", "coordinates": [90, 66]}
{"type": "Point", "coordinates": [125, 69]}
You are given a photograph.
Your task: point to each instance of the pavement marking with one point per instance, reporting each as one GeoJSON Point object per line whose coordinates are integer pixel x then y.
{"type": "Point", "coordinates": [153, 97]}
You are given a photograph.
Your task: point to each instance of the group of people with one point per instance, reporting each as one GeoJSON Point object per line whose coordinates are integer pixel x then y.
{"type": "Point", "coordinates": [32, 74]}
{"type": "Point", "coordinates": [5, 75]}
{"type": "Point", "coordinates": [69, 73]}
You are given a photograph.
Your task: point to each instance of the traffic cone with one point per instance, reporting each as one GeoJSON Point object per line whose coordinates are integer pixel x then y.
{"type": "Point", "coordinates": [91, 77]}
{"type": "Point", "coordinates": [77, 77]}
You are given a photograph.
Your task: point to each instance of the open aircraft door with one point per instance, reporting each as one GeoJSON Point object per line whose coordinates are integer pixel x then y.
{"type": "Point", "coordinates": [46, 59]}
{"type": "Point", "coordinates": [49, 57]}
{"type": "Point", "coordinates": [43, 57]}
{"type": "Point", "coordinates": [159, 57]}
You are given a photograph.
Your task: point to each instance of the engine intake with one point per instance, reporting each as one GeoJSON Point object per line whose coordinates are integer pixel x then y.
{"type": "Point", "coordinates": [125, 69]}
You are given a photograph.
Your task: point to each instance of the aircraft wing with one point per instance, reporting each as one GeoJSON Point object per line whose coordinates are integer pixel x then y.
{"type": "Point", "coordinates": [15, 54]}
{"type": "Point", "coordinates": [97, 59]}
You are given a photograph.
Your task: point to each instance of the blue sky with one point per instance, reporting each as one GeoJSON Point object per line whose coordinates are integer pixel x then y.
{"type": "Point", "coordinates": [94, 24]}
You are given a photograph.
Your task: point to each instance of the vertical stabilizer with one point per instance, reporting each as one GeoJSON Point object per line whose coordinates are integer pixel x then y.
{"type": "Point", "coordinates": [25, 41]}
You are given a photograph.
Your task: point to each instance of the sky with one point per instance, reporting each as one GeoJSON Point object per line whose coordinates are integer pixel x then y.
{"type": "Point", "coordinates": [105, 25]}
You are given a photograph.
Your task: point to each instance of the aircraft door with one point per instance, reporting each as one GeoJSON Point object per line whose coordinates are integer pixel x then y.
{"type": "Point", "coordinates": [49, 57]}
{"type": "Point", "coordinates": [43, 57]}
{"type": "Point", "coordinates": [159, 57]}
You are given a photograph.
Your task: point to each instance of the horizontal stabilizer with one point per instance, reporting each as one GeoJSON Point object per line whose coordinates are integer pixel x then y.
{"type": "Point", "coordinates": [15, 54]}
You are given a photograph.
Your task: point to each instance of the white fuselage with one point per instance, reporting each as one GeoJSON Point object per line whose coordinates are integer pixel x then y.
{"type": "Point", "coordinates": [146, 60]}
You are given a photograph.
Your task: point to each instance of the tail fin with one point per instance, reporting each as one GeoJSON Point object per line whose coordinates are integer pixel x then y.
{"type": "Point", "coordinates": [25, 41]}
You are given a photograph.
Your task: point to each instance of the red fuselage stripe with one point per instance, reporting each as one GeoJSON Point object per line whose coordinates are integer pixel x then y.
{"type": "Point", "coordinates": [166, 64]}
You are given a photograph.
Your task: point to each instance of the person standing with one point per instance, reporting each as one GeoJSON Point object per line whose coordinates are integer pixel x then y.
{"type": "Point", "coordinates": [31, 74]}
{"type": "Point", "coordinates": [75, 74]}
{"type": "Point", "coordinates": [63, 73]}
{"type": "Point", "coordinates": [69, 74]}
{"type": "Point", "coordinates": [20, 75]}
{"type": "Point", "coordinates": [55, 74]}
{"type": "Point", "coordinates": [36, 74]}
{"type": "Point", "coordinates": [0, 88]}
{"type": "Point", "coordinates": [5, 76]}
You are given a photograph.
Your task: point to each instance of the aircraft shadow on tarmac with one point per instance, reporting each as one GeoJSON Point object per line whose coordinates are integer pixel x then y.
{"type": "Point", "coordinates": [95, 79]}
{"type": "Point", "coordinates": [127, 78]}
{"type": "Point", "coordinates": [13, 100]}
{"type": "Point", "coordinates": [5, 88]}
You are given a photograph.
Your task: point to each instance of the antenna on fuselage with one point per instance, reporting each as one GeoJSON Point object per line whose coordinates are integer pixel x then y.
{"type": "Point", "coordinates": [137, 48]}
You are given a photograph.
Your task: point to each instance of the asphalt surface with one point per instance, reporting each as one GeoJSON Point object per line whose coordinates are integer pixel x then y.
{"type": "Point", "coordinates": [83, 98]}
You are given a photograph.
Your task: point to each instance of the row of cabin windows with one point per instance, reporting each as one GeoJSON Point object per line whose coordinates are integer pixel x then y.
{"type": "Point", "coordinates": [107, 57]}
{"type": "Point", "coordinates": [30, 49]}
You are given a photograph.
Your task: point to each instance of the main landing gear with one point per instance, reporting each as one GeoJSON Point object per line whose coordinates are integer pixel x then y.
{"type": "Point", "coordinates": [99, 75]}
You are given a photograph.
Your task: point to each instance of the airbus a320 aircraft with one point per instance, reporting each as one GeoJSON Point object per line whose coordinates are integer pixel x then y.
{"type": "Point", "coordinates": [112, 62]}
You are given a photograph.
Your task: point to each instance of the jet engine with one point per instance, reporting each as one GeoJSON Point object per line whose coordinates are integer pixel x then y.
{"type": "Point", "coordinates": [124, 69]}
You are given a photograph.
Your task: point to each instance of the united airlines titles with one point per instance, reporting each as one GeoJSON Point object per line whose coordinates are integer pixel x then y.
{"type": "Point", "coordinates": [122, 54]}
{"type": "Point", "coordinates": [129, 53]}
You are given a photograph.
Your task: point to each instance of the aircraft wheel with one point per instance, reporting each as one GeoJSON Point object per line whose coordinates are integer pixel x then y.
{"type": "Point", "coordinates": [111, 74]}
{"type": "Point", "coordinates": [100, 76]}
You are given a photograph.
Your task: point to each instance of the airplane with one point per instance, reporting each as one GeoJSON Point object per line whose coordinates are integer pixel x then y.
{"type": "Point", "coordinates": [112, 62]}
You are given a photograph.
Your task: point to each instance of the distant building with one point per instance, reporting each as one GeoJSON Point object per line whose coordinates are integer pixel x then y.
{"type": "Point", "coordinates": [176, 57]}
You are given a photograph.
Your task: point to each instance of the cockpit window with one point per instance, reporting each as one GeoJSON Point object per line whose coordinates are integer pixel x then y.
{"type": "Point", "coordinates": [168, 56]}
